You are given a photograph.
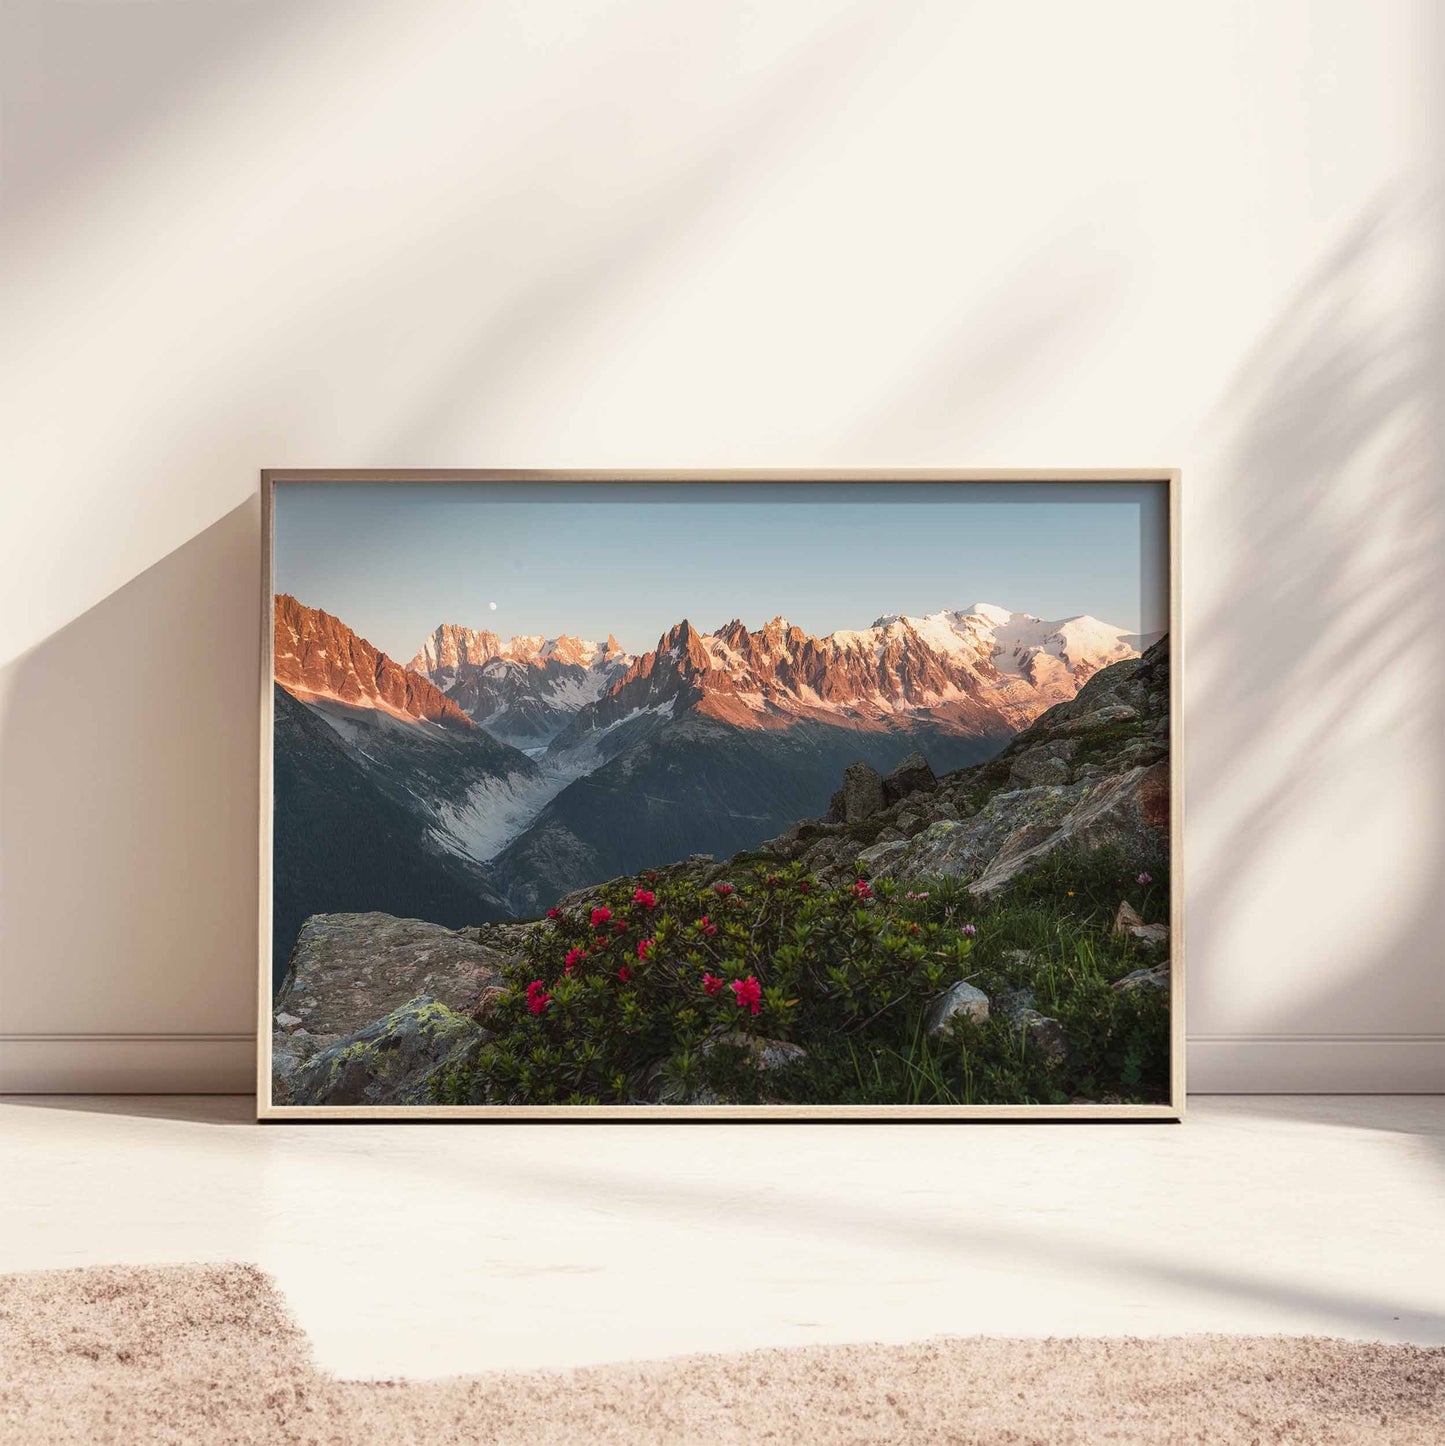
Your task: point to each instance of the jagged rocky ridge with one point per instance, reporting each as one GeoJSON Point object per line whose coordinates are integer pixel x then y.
{"type": "Point", "coordinates": [1091, 772]}
{"type": "Point", "coordinates": [524, 691]}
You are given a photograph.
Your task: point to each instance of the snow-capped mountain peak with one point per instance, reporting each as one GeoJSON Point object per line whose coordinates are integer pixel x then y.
{"type": "Point", "coordinates": [986, 668]}
{"type": "Point", "coordinates": [524, 689]}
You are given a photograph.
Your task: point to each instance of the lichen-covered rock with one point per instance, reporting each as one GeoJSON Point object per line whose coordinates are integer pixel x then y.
{"type": "Point", "coordinates": [1129, 810]}
{"type": "Point", "coordinates": [961, 1000]}
{"type": "Point", "coordinates": [911, 776]}
{"type": "Point", "coordinates": [830, 857]}
{"type": "Point", "coordinates": [1155, 978]}
{"type": "Point", "coordinates": [350, 969]}
{"type": "Point", "coordinates": [950, 848]}
{"type": "Point", "coordinates": [877, 855]}
{"type": "Point", "coordinates": [391, 1061]}
{"type": "Point", "coordinates": [862, 792]}
{"type": "Point", "coordinates": [1099, 718]}
{"type": "Point", "coordinates": [1038, 767]}
{"type": "Point", "coordinates": [1041, 1033]}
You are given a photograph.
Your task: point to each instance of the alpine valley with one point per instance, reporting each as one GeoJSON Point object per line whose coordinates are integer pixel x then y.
{"type": "Point", "coordinates": [488, 778]}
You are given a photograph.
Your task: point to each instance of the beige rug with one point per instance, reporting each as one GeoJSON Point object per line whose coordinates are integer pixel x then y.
{"type": "Point", "coordinates": [201, 1354]}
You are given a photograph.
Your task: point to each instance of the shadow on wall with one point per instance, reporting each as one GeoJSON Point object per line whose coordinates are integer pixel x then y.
{"type": "Point", "coordinates": [1315, 679]}
{"type": "Point", "coordinates": [128, 777]}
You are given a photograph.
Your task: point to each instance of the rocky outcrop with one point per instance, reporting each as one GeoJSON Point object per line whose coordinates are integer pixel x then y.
{"type": "Point", "coordinates": [862, 793]}
{"type": "Point", "coordinates": [349, 970]}
{"type": "Point", "coordinates": [391, 1061]}
{"type": "Point", "coordinates": [1092, 771]}
{"type": "Point", "coordinates": [1130, 810]}
{"type": "Point", "coordinates": [911, 776]}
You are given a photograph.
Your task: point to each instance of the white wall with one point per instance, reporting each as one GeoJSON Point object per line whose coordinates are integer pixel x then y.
{"type": "Point", "coordinates": [722, 234]}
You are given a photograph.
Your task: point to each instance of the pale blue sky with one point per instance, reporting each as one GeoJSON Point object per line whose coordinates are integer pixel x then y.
{"type": "Point", "coordinates": [392, 560]}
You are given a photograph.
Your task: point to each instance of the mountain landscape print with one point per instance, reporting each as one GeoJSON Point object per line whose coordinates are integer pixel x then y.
{"type": "Point", "coordinates": [719, 794]}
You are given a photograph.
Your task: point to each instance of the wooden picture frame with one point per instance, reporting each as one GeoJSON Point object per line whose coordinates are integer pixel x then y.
{"type": "Point", "coordinates": [1171, 1109]}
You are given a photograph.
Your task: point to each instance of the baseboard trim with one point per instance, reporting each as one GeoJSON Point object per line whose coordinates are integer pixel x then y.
{"type": "Point", "coordinates": [1316, 1064]}
{"type": "Point", "coordinates": [127, 1064]}
{"type": "Point", "coordinates": [1245, 1064]}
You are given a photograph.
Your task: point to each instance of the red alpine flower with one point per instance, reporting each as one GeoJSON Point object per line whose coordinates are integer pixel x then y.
{"type": "Point", "coordinates": [711, 984]}
{"type": "Point", "coordinates": [706, 925]}
{"type": "Point", "coordinates": [537, 997]}
{"type": "Point", "coordinates": [863, 889]}
{"type": "Point", "coordinates": [646, 898]}
{"type": "Point", "coordinates": [749, 993]}
{"type": "Point", "coordinates": [600, 915]}
{"type": "Point", "coordinates": [644, 948]}
{"type": "Point", "coordinates": [624, 974]}
{"type": "Point", "coordinates": [574, 956]}
{"type": "Point", "coordinates": [554, 913]}
{"type": "Point", "coordinates": [619, 926]}
{"type": "Point", "coordinates": [723, 890]}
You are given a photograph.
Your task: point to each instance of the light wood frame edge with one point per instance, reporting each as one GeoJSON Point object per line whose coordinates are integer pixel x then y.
{"type": "Point", "coordinates": [266, 1112]}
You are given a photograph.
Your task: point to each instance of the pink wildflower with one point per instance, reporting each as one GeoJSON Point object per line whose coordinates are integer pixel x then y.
{"type": "Point", "coordinates": [711, 984]}
{"type": "Point", "coordinates": [600, 915]}
{"type": "Point", "coordinates": [644, 948]}
{"type": "Point", "coordinates": [1146, 878]}
{"type": "Point", "coordinates": [968, 929]}
{"type": "Point", "coordinates": [706, 925]}
{"type": "Point", "coordinates": [574, 956]}
{"type": "Point", "coordinates": [912, 895]}
{"type": "Point", "coordinates": [646, 898]}
{"type": "Point", "coordinates": [537, 997]}
{"type": "Point", "coordinates": [863, 889]}
{"type": "Point", "coordinates": [749, 993]}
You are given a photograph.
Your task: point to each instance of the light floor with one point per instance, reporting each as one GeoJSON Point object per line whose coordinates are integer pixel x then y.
{"type": "Point", "coordinates": [431, 1249]}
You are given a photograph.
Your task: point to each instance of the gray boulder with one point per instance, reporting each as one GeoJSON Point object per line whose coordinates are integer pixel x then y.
{"type": "Point", "coordinates": [958, 1001]}
{"type": "Point", "coordinates": [1155, 978]}
{"type": "Point", "coordinates": [913, 775]}
{"type": "Point", "coordinates": [1129, 809]}
{"type": "Point", "coordinates": [877, 855]}
{"type": "Point", "coordinates": [391, 1061]}
{"type": "Point", "coordinates": [350, 969]}
{"type": "Point", "coordinates": [1037, 767]}
{"type": "Point", "coordinates": [862, 792]}
{"type": "Point", "coordinates": [1127, 921]}
{"type": "Point", "coordinates": [1041, 1032]}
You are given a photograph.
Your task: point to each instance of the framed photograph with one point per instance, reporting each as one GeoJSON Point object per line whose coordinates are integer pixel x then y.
{"type": "Point", "coordinates": [720, 795]}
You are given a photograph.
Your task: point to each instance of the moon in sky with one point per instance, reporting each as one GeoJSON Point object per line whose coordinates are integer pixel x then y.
{"type": "Point", "coordinates": [492, 606]}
